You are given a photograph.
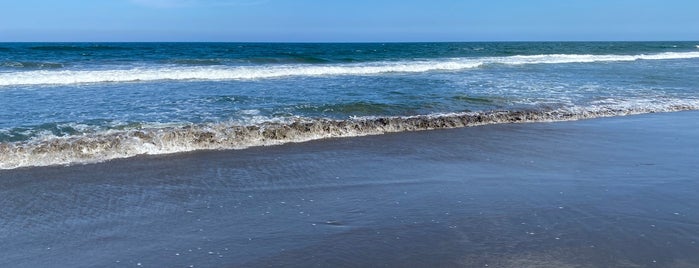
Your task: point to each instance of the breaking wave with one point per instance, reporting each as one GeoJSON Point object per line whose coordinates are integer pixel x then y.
{"type": "Point", "coordinates": [97, 147]}
{"type": "Point", "coordinates": [53, 77]}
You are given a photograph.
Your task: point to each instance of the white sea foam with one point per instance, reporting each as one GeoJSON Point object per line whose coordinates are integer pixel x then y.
{"type": "Point", "coordinates": [223, 73]}
{"type": "Point", "coordinates": [51, 150]}
{"type": "Point", "coordinates": [583, 58]}
{"type": "Point", "coordinates": [62, 77]}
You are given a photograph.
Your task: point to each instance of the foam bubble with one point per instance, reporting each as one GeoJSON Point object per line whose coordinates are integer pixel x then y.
{"type": "Point", "coordinates": [120, 144]}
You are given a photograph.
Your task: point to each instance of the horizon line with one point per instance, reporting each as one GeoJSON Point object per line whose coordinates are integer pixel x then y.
{"type": "Point", "coordinates": [368, 42]}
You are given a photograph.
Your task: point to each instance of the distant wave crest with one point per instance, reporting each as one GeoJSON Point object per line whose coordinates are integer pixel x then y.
{"type": "Point", "coordinates": [95, 47]}
{"type": "Point", "coordinates": [108, 145]}
{"type": "Point", "coordinates": [254, 60]}
{"type": "Point", "coordinates": [31, 65]}
{"type": "Point", "coordinates": [214, 72]}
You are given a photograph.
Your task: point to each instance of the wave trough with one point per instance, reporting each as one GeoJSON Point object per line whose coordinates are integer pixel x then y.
{"type": "Point", "coordinates": [215, 72]}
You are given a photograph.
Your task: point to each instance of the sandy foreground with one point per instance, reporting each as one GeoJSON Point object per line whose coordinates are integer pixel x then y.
{"type": "Point", "coordinates": [593, 193]}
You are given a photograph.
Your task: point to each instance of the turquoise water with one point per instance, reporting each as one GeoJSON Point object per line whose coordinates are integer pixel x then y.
{"type": "Point", "coordinates": [64, 103]}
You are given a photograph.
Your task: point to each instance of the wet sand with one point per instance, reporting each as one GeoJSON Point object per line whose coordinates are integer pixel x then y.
{"type": "Point", "coordinates": [612, 192]}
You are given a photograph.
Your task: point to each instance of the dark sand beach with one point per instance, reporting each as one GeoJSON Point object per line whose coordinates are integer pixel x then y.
{"type": "Point", "coordinates": [610, 192]}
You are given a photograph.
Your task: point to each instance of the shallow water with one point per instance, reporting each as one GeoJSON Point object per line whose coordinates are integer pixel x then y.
{"type": "Point", "coordinates": [594, 193]}
{"type": "Point", "coordinates": [89, 102]}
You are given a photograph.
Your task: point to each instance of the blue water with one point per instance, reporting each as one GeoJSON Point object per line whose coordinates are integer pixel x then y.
{"type": "Point", "coordinates": [61, 97]}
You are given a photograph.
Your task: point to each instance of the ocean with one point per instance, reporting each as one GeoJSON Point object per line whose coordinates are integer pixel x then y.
{"type": "Point", "coordinates": [511, 154]}
{"type": "Point", "coordinates": [69, 103]}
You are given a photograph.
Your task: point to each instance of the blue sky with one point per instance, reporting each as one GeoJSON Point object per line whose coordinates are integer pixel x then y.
{"type": "Point", "coordinates": [351, 20]}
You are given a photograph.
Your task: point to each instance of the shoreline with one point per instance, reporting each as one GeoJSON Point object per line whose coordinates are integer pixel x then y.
{"type": "Point", "coordinates": [616, 191]}
{"type": "Point", "coordinates": [101, 147]}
